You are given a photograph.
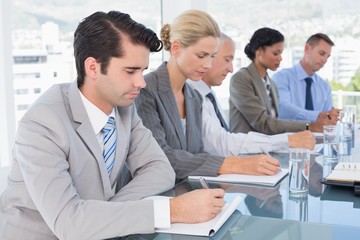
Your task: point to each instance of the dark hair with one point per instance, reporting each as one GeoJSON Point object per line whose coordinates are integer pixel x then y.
{"type": "Point", "coordinates": [261, 38]}
{"type": "Point", "coordinates": [100, 36]}
{"type": "Point", "coordinates": [313, 40]}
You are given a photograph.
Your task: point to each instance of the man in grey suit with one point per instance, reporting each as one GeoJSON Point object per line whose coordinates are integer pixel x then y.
{"type": "Point", "coordinates": [60, 185]}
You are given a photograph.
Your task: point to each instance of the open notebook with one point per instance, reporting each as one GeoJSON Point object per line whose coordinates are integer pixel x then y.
{"type": "Point", "coordinates": [206, 228]}
{"type": "Point", "coordinates": [248, 179]}
{"type": "Point", "coordinates": [344, 174]}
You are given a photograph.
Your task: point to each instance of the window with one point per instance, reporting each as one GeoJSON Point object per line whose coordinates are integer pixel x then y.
{"type": "Point", "coordinates": [37, 90]}
{"type": "Point", "coordinates": [297, 20]}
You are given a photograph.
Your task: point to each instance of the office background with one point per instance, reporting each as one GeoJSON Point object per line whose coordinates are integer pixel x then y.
{"type": "Point", "coordinates": [36, 39]}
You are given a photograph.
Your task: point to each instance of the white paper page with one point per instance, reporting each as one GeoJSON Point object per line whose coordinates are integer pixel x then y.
{"type": "Point", "coordinates": [244, 178]}
{"type": "Point", "coordinates": [344, 171]}
{"type": "Point", "coordinates": [206, 228]}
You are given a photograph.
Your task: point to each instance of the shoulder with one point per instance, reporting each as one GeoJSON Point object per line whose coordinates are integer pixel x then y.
{"type": "Point", "coordinates": [158, 77]}
{"type": "Point", "coordinates": [282, 75]}
{"type": "Point", "coordinates": [53, 96]}
{"type": "Point", "coordinates": [241, 74]}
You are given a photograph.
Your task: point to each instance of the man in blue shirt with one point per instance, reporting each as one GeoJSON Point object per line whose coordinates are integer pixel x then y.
{"type": "Point", "coordinates": [303, 94]}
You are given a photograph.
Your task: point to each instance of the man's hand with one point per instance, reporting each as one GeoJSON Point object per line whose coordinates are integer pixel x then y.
{"type": "Point", "coordinates": [197, 206]}
{"type": "Point", "coordinates": [304, 139]}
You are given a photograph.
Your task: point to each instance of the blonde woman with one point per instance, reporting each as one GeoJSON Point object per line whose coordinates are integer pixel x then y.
{"type": "Point", "coordinates": [171, 108]}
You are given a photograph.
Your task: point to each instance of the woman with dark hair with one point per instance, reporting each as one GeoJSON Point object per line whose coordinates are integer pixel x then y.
{"type": "Point", "coordinates": [254, 96]}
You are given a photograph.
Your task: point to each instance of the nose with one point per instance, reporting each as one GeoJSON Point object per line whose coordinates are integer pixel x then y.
{"type": "Point", "coordinates": [231, 68]}
{"type": "Point", "coordinates": [139, 81]}
{"type": "Point", "coordinates": [324, 59]}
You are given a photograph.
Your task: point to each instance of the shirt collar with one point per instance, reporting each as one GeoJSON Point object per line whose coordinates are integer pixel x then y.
{"type": "Point", "coordinates": [201, 86]}
{"type": "Point", "coordinates": [98, 118]}
{"type": "Point", "coordinates": [301, 74]}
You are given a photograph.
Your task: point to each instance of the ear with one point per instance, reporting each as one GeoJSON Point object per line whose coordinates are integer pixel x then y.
{"type": "Point", "coordinates": [259, 51]}
{"type": "Point", "coordinates": [92, 68]}
{"type": "Point", "coordinates": [175, 48]}
{"type": "Point", "coordinates": [307, 47]}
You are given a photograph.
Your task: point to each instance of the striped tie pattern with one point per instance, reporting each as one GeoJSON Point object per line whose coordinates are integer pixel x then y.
{"type": "Point", "coordinates": [109, 144]}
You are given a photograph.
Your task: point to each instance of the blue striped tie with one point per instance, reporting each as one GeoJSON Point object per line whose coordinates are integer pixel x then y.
{"type": "Point", "coordinates": [109, 144]}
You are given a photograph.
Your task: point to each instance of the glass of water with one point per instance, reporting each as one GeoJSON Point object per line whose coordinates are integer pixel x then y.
{"type": "Point", "coordinates": [299, 167]}
{"type": "Point", "coordinates": [331, 143]}
{"type": "Point", "coordinates": [345, 137]}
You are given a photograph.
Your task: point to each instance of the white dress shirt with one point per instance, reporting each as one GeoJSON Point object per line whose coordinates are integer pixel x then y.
{"type": "Point", "coordinates": [218, 141]}
{"type": "Point", "coordinates": [98, 120]}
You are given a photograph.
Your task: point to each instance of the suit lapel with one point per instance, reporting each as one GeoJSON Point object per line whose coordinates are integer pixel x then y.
{"type": "Point", "coordinates": [82, 125]}
{"type": "Point", "coordinates": [259, 84]}
{"type": "Point", "coordinates": [193, 119]}
{"type": "Point", "coordinates": [122, 142]}
{"type": "Point", "coordinates": [168, 99]}
{"type": "Point", "coordinates": [275, 97]}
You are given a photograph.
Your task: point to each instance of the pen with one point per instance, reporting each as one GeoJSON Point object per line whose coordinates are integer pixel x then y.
{"type": "Point", "coordinates": [263, 203]}
{"type": "Point", "coordinates": [328, 115]}
{"type": "Point", "coordinates": [265, 152]}
{"type": "Point", "coordinates": [203, 183]}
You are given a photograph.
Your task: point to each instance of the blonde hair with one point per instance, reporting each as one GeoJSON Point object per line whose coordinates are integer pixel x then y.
{"type": "Point", "coordinates": [189, 27]}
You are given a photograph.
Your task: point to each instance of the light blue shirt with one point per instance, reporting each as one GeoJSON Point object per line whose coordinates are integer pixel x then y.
{"type": "Point", "coordinates": [292, 90]}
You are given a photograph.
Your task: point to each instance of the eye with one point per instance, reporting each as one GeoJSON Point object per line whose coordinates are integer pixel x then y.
{"type": "Point", "coordinates": [130, 71]}
{"type": "Point", "coordinates": [201, 56]}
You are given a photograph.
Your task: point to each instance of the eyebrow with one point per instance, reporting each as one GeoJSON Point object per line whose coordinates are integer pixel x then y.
{"type": "Point", "coordinates": [135, 68]}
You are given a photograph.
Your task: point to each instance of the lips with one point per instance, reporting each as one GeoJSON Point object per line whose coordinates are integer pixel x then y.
{"type": "Point", "coordinates": [133, 94]}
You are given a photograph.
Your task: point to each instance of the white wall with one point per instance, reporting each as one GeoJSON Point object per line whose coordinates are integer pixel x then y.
{"type": "Point", "coordinates": [4, 171]}
{"type": "Point", "coordinates": [7, 111]}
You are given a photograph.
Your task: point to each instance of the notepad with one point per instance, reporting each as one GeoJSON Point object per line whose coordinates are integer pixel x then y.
{"type": "Point", "coordinates": [208, 228]}
{"type": "Point", "coordinates": [248, 179]}
{"type": "Point", "coordinates": [345, 172]}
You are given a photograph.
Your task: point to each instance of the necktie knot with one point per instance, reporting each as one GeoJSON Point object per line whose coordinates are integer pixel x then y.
{"type": "Point", "coordinates": [109, 144]}
{"type": "Point", "coordinates": [211, 97]}
{"type": "Point", "coordinates": [308, 81]}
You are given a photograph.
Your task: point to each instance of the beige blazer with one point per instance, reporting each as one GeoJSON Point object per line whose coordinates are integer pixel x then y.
{"type": "Point", "coordinates": [58, 185]}
{"type": "Point", "coordinates": [250, 108]}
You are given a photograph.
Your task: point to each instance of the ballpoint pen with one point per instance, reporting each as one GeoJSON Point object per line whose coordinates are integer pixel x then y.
{"type": "Point", "coordinates": [328, 115]}
{"type": "Point", "coordinates": [265, 152]}
{"type": "Point", "coordinates": [203, 183]}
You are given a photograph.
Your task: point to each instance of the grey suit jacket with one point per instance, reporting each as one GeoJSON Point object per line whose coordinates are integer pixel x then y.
{"type": "Point", "coordinates": [157, 107]}
{"type": "Point", "coordinates": [58, 185]}
{"type": "Point", "coordinates": [250, 109]}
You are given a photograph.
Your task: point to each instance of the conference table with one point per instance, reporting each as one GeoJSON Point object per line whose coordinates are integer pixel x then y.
{"type": "Point", "coordinates": [327, 212]}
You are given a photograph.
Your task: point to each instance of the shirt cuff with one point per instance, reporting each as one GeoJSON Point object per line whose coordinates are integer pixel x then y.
{"type": "Point", "coordinates": [280, 142]}
{"type": "Point", "coordinates": [162, 213]}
